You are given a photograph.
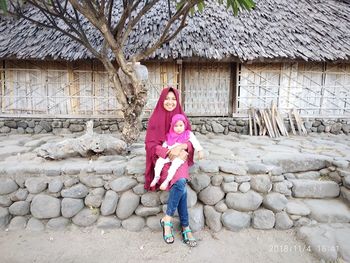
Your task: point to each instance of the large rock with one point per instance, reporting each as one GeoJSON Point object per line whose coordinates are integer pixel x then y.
{"type": "Point", "coordinates": [217, 127]}
{"type": "Point", "coordinates": [153, 222]}
{"type": "Point", "coordinates": [45, 207]}
{"type": "Point", "coordinates": [235, 220]}
{"type": "Point", "coordinates": [321, 240]}
{"type": "Point", "coordinates": [5, 200]}
{"type": "Point", "coordinates": [275, 202]}
{"type": "Point", "coordinates": [55, 185]}
{"type": "Point", "coordinates": [244, 202]}
{"type": "Point", "coordinates": [147, 211]}
{"type": "Point", "coordinates": [196, 217]}
{"type": "Point", "coordinates": [212, 218]}
{"type": "Point", "coordinates": [19, 208]}
{"type": "Point", "coordinates": [229, 187]}
{"type": "Point", "coordinates": [127, 204]}
{"type": "Point", "coordinates": [71, 206]}
{"type": "Point", "coordinates": [35, 225]}
{"type": "Point", "coordinates": [283, 221]}
{"type": "Point", "coordinates": [91, 181]}
{"type": "Point", "coordinates": [263, 219]}
{"type": "Point", "coordinates": [108, 222]}
{"type": "Point", "coordinates": [216, 180]}
{"type": "Point", "coordinates": [17, 223]}
{"type": "Point", "coordinates": [86, 217]}
{"type": "Point", "coordinates": [109, 203]}
{"type": "Point", "coordinates": [191, 197]}
{"type": "Point", "coordinates": [345, 194]}
{"type": "Point", "coordinates": [122, 184]}
{"type": "Point", "coordinates": [261, 183]}
{"type": "Point", "coordinates": [95, 197]}
{"type": "Point", "coordinates": [59, 223]}
{"type": "Point", "coordinates": [315, 189]}
{"type": "Point", "coordinates": [208, 166]}
{"type": "Point", "coordinates": [4, 217]}
{"type": "Point", "coordinates": [297, 208]}
{"type": "Point", "coordinates": [136, 165]}
{"type": "Point", "coordinates": [232, 168]}
{"type": "Point", "coordinates": [244, 187]}
{"type": "Point", "coordinates": [150, 199]}
{"type": "Point", "coordinates": [7, 186]}
{"type": "Point", "coordinates": [199, 182]}
{"type": "Point", "coordinates": [296, 162]}
{"type": "Point", "coordinates": [282, 188]}
{"type": "Point", "coordinates": [329, 211]}
{"type": "Point", "coordinates": [36, 185]}
{"type": "Point", "coordinates": [221, 206]}
{"type": "Point", "coordinates": [76, 191]}
{"type": "Point", "coordinates": [134, 223]}
{"type": "Point", "coordinates": [211, 195]}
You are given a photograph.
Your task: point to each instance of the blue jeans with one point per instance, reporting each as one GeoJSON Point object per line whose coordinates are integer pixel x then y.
{"type": "Point", "coordinates": [178, 199]}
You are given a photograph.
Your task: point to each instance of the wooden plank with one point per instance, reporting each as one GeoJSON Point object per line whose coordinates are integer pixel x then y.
{"type": "Point", "coordinates": [250, 122]}
{"type": "Point", "coordinates": [255, 128]}
{"type": "Point", "coordinates": [2, 79]}
{"type": "Point", "coordinates": [291, 122]}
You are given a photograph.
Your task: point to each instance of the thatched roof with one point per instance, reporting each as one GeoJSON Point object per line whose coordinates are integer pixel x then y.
{"type": "Point", "coordinates": [316, 30]}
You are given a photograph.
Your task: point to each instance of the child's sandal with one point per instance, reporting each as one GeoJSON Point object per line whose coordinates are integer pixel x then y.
{"type": "Point", "coordinates": [167, 237]}
{"type": "Point", "coordinates": [191, 242]}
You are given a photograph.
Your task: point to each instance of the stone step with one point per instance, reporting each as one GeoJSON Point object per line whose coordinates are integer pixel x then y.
{"type": "Point", "coordinates": [314, 188]}
{"type": "Point", "coordinates": [328, 211]}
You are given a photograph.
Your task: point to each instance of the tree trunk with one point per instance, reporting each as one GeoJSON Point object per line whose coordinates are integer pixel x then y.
{"type": "Point", "coordinates": [131, 94]}
{"type": "Point", "coordinates": [132, 118]}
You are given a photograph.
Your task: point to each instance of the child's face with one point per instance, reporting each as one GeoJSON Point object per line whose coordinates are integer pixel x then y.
{"type": "Point", "coordinates": [179, 127]}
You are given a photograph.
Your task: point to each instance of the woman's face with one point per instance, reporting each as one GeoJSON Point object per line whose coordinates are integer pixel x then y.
{"type": "Point", "coordinates": [170, 101]}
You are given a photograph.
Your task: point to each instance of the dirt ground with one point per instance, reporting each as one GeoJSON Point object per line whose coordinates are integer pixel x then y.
{"type": "Point", "coordinates": [96, 245]}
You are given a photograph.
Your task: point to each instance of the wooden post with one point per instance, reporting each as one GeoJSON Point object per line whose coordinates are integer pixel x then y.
{"type": "Point", "coordinates": [2, 79]}
{"type": "Point", "coordinates": [233, 90]}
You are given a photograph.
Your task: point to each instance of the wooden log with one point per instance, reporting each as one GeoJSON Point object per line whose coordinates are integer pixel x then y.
{"type": "Point", "coordinates": [299, 123]}
{"type": "Point", "coordinates": [250, 122]}
{"type": "Point", "coordinates": [268, 124]}
{"type": "Point", "coordinates": [291, 122]}
{"type": "Point", "coordinates": [254, 122]}
{"type": "Point", "coordinates": [280, 123]}
{"type": "Point", "coordinates": [273, 122]}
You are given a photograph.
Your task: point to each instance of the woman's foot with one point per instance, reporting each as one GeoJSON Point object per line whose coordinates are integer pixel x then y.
{"type": "Point", "coordinates": [167, 227]}
{"type": "Point", "coordinates": [187, 237]}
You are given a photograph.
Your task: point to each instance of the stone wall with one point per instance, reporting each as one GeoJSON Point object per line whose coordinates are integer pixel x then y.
{"type": "Point", "coordinates": [235, 197]}
{"type": "Point", "coordinates": [203, 125]}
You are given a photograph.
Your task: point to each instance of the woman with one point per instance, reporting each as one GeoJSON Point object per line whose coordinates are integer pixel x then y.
{"type": "Point", "coordinates": [157, 128]}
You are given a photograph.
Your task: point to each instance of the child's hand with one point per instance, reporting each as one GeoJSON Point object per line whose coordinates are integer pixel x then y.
{"type": "Point", "coordinates": [200, 155]}
{"type": "Point", "coordinates": [164, 185]}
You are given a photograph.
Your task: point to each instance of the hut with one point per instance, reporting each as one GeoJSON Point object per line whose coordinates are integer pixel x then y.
{"type": "Point", "coordinates": [293, 53]}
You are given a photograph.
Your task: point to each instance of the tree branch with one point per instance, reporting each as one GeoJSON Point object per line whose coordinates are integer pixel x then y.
{"type": "Point", "coordinates": [182, 14]}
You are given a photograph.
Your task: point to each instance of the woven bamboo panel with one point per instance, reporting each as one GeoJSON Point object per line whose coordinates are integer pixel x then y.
{"type": "Point", "coordinates": [160, 75]}
{"type": "Point", "coordinates": [57, 88]}
{"type": "Point", "coordinates": [312, 88]}
{"type": "Point", "coordinates": [207, 89]}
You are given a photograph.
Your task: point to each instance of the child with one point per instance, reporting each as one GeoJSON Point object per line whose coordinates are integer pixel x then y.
{"type": "Point", "coordinates": [177, 134]}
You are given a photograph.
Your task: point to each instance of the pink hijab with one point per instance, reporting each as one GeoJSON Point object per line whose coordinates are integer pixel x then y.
{"type": "Point", "coordinates": [172, 136]}
{"type": "Point", "coordinates": [157, 128]}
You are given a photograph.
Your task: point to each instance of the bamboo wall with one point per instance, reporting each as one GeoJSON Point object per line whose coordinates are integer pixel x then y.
{"type": "Point", "coordinates": [82, 89]}
{"type": "Point", "coordinates": [312, 88]}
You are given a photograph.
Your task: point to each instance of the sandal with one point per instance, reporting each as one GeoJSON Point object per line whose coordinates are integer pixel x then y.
{"type": "Point", "coordinates": [191, 242]}
{"type": "Point", "coordinates": [167, 237]}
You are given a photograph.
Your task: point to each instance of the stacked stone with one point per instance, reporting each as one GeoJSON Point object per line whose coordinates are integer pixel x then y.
{"type": "Point", "coordinates": [222, 125]}
{"type": "Point", "coordinates": [39, 126]}
{"type": "Point", "coordinates": [233, 195]}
